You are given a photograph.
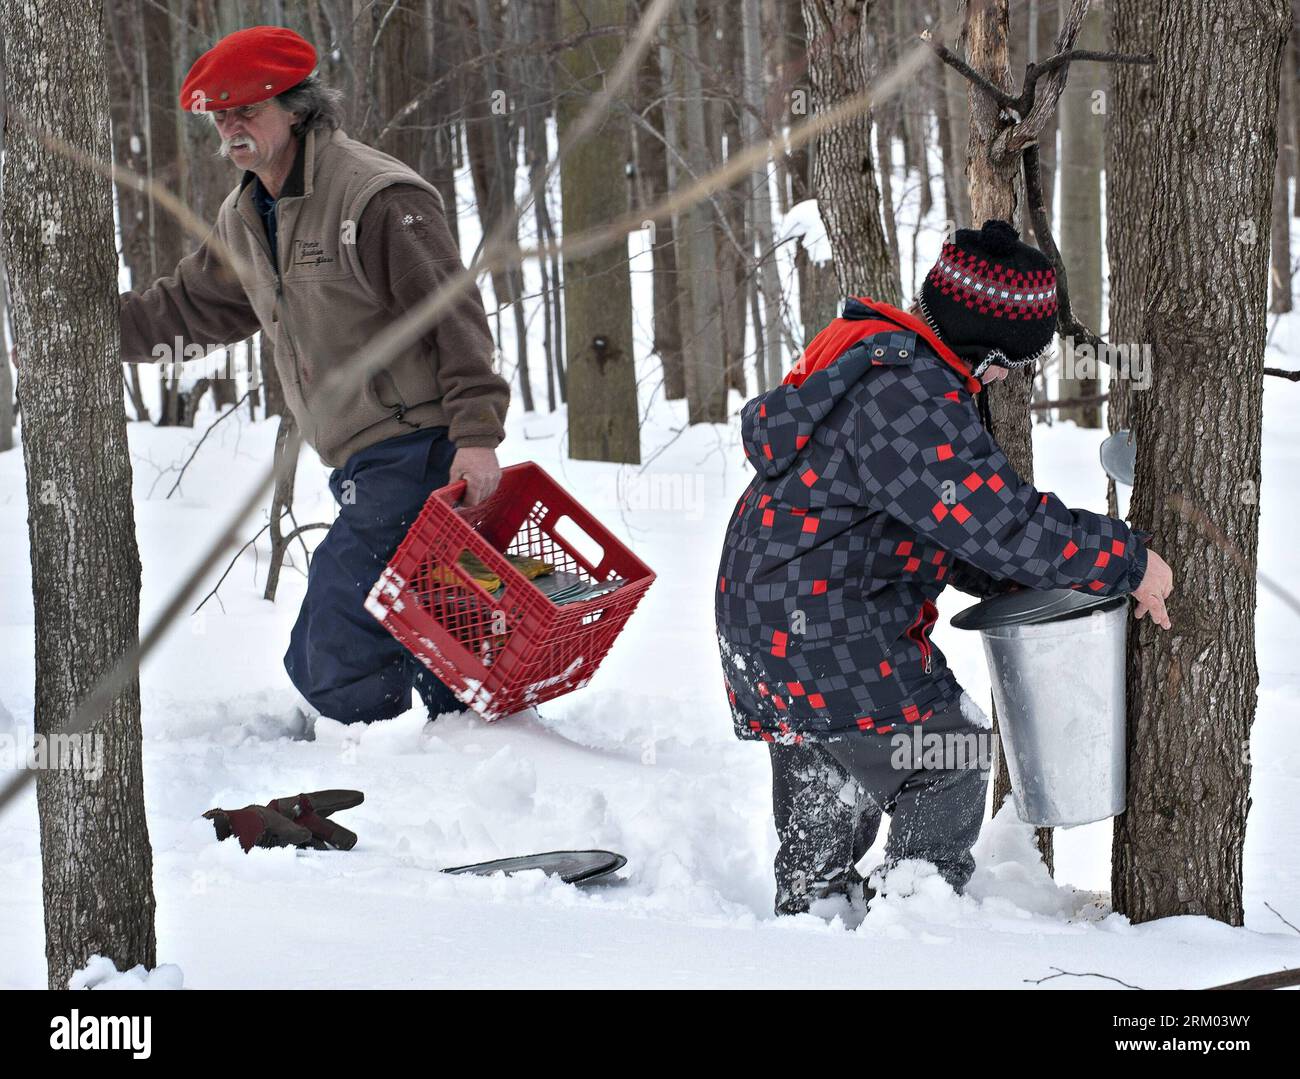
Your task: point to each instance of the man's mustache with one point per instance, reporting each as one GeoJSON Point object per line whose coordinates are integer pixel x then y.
{"type": "Point", "coordinates": [224, 149]}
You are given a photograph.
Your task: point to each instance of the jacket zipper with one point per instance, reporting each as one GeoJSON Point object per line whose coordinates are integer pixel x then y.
{"type": "Point", "coordinates": [284, 310]}
{"type": "Point", "coordinates": [919, 628]}
{"type": "Point", "coordinates": [280, 305]}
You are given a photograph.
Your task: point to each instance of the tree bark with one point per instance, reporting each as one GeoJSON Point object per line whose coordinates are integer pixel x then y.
{"type": "Point", "coordinates": [1280, 276]}
{"type": "Point", "coordinates": [1192, 691]}
{"type": "Point", "coordinates": [818, 287]}
{"type": "Point", "coordinates": [841, 55]}
{"type": "Point", "coordinates": [536, 92]}
{"type": "Point", "coordinates": [788, 59]}
{"type": "Point", "coordinates": [287, 448]}
{"type": "Point", "coordinates": [603, 420]}
{"type": "Point", "coordinates": [997, 190]}
{"type": "Point", "coordinates": [6, 384]}
{"type": "Point", "coordinates": [1033, 29]}
{"type": "Point", "coordinates": [706, 386]}
{"type": "Point", "coordinates": [953, 170]}
{"type": "Point", "coordinates": [721, 65]}
{"type": "Point", "coordinates": [146, 140]}
{"type": "Point", "coordinates": [913, 109]}
{"type": "Point", "coordinates": [1082, 147]}
{"type": "Point", "coordinates": [1130, 150]}
{"type": "Point", "coordinates": [652, 170]}
{"type": "Point", "coordinates": [956, 169]}
{"type": "Point", "coordinates": [501, 122]}
{"type": "Point", "coordinates": [62, 263]}
{"type": "Point", "coordinates": [769, 365]}
{"type": "Point", "coordinates": [1291, 65]}
{"type": "Point", "coordinates": [1051, 13]}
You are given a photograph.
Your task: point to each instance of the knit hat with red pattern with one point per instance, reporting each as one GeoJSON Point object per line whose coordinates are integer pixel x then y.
{"type": "Point", "coordinates": [992, 298]}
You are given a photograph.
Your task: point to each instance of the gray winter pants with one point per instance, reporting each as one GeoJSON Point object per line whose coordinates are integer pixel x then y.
{"type": "Point", "coordinates": [827, 800]}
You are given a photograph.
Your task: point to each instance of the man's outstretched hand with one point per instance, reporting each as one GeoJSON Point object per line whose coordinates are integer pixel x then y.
{"type": "Point", "coordinates": [1155, 588]}
{"type": "Point", "coordinates": [477, 466]}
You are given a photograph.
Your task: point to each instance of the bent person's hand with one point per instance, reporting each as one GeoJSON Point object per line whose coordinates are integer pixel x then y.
{"type": "Point", "coordinates": [1156, 587]}
{"type": "Point", "coordinates": [477, 466]}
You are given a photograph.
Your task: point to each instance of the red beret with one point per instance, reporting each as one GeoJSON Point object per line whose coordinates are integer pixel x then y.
{"type": "Point", "coordinates": [246, 67]}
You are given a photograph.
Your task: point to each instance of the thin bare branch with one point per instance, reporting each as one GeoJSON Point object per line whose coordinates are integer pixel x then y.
{"type": "Point", "coordinates": [199, 445]}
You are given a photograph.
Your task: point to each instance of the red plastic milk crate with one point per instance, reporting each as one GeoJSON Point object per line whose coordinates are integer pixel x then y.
{"type": "Point", "coordinates": [502, 653]}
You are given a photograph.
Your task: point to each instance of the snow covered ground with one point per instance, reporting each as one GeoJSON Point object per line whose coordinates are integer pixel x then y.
{"type": "Point", "coordinates": [642, 761]}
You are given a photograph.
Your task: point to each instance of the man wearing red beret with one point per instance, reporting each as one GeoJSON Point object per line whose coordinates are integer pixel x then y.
{"type": "Point", "coordinates": [333, 241]}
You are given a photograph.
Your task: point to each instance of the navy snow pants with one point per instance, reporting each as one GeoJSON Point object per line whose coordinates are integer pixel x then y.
{"type": "Point", "coordinates": [347, 665]}
{"type": "Point", "coordinates": [828, 798]}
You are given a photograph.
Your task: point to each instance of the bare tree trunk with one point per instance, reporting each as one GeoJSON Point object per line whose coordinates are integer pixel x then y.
{"type": "Point", "coordinates": [729, 68]}
{"type": "Point", "coordinates": [913, 114]}
{"type": "Point", "coordinates": [401, 71]}
{"type": "Point", "coordinates": [440, 147]}
{"type": "Point", "coordinates": [254, 380]}
{"type": "Point", "coordinates": [1291, 65]}
{"type": "Point", "coordinates": [706, 387]}
{"type": "Point", "coordinates": [481, 149]}
{"type": "Point", "coordinates": [1033, 27]}
{"type": "Point", "coordinates": [62, 264]}
{"type": "Point", "coordinates": [890, 122]}
{"type": "Point", "coordinates": [997, 191]}
{"type": "Point", "coordinates": [272, 390]}
{"type": "Point", "coordinates": [536, 89]}
{"type": "Point", "coordinates": [769, 367]}
{"type": "Point", "coordinates": [136, 392]}
{"type": "Point", "coordinates": [953, 159]}
{"type": "Point", "coordinates": [501, 122]}
{"type": "Point", "coordinates": [885, 156]}
{"type": "Point", "coordinates": [357, 37]}
{"type": "Point", "coordinates": [955, 93]}
{"type": "Point", "coordinates": [653, 183]}
{"type": "Point", "coordinates": [715, 64]}
{"type": "Point", "coordinates": [1192, 690]}
{"type": "Point", "coordinates": [818, 287]}
{"type": "Point", "coordinates": [146, 141]}
{"type": "Point", "coordinates": [844, 170]}
{"type": "Point", "coordinates": [1050, 15]}
{"type": "Point", "coordinates": [1130, 244]}
{"type": "Point", "coordinates": [7, 416]}
{"type": "Point", "coordinates": [788, 61]}
{"type": "Point", "coordinates": [1082, 124]}
{"type": "Point", "coordinates": [286, 472]}
{"type": "Point", "coordinates": [1280, 275]}
{"type": "Point", "coordinates": [603, 420]}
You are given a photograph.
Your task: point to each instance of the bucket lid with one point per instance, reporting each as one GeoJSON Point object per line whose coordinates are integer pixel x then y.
{"type": "Point", "coordinates": [1029, 607]}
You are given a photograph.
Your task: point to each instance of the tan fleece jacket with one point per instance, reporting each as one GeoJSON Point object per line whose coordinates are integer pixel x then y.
{"type": "Point", "coordinates": [362, 238]}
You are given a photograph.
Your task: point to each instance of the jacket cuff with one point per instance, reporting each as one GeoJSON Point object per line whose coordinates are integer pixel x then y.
{"type": "Point", "coordinates": [487, 442]}
{"type": "Point", "coordinates": [1137, 559]}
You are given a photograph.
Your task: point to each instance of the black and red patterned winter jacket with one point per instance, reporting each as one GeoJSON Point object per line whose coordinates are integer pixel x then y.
{"type": "Point", "coordinates": [877, 486]}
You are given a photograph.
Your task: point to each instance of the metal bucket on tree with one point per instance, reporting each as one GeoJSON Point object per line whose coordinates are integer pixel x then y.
{"type": "Point", "coordinates": [1056, 660]}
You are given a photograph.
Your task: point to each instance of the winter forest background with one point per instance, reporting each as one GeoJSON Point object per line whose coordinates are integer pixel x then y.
{"type": "Point", "coordinates": [746, 164]}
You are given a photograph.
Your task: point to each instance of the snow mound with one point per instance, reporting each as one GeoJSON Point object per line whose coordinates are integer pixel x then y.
{"type": "Point", "coordinates": [101, 973]}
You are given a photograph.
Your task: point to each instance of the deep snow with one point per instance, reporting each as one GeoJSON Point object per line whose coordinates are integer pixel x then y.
{"type": "Point", "coordinates": [642, 761]}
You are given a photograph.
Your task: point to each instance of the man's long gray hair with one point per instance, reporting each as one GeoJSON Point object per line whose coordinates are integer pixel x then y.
{"type": "Point", "coordinates": [320, 106]}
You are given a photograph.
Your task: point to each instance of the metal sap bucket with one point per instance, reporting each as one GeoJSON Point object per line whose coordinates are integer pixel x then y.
{"type": "Point", "coordinates": [1056, 660]}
